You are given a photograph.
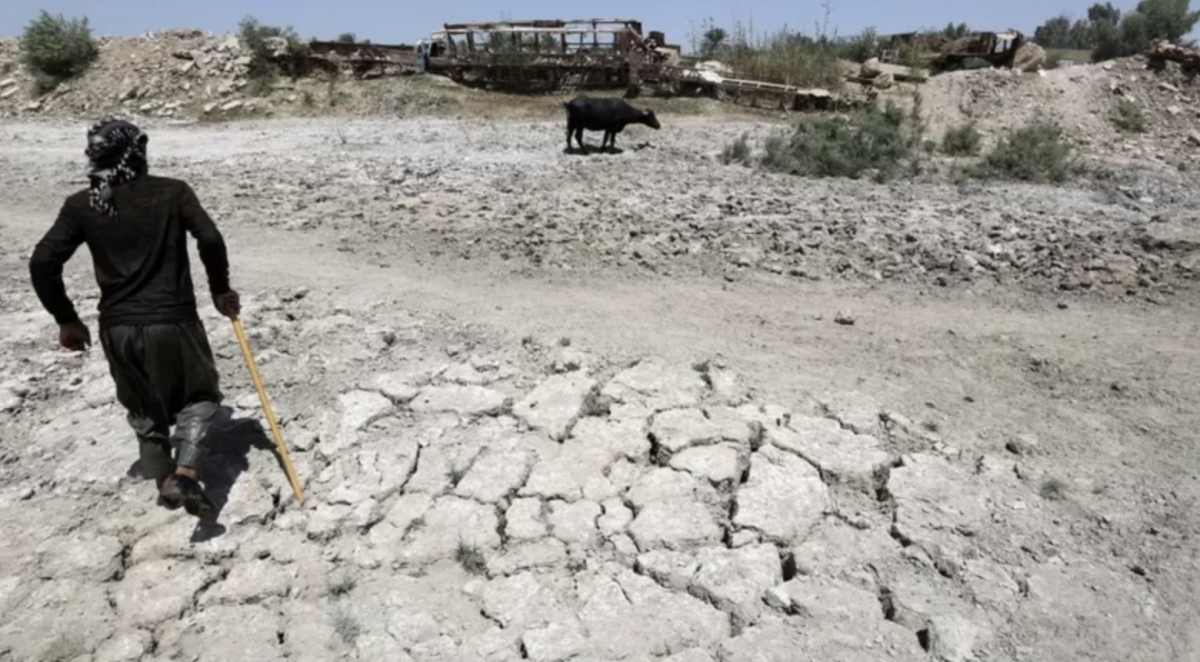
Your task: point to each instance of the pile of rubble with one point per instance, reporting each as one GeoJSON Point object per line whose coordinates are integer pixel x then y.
{"type": "Point", "coordinates": [173, 73]}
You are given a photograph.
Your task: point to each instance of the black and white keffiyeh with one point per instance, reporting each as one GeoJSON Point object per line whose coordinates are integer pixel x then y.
{"type": "Point", "coordinates": [116, 154]}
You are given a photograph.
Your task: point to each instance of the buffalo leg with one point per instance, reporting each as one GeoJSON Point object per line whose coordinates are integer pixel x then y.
{"type": "Point", "coordinates": [579, 139]}
{"type": "Point", "coordinates": [570, 130]}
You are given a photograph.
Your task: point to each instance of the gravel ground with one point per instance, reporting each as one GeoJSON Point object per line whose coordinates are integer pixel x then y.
{"type": "Point", "coordinates": [503, 192]}
{"type": "Point", "coordinates": [879, 428]}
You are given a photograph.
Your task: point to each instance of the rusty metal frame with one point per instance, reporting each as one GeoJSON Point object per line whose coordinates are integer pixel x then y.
{"type": "Point", "coordinates": [361, 59]}
{"type": "Point", "coordinates": [587, 54]}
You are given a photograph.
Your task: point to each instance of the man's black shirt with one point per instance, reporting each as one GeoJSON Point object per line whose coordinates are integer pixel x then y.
{"type": "Point", "coordinates": [140, 256]}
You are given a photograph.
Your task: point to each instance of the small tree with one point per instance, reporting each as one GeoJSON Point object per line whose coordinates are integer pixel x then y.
{"type": "Point", "coordinates": [347, 38]}
{"type": "Point", "coordinates": [256, 39]}
{"type": "Point", "coordinates": [713, 40]}
{"type": "Point", "coordinates": [55, 49]}
{"type": "Point", "coordinates": [1151, 21]}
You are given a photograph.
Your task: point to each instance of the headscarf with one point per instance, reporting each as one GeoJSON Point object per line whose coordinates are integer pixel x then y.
{"type": "Point", "coordinates": [116, 154]}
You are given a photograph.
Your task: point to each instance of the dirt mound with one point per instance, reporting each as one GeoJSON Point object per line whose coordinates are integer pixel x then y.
{"type": "Point", "coordinates": [162, 74]}
{"type": "Point", "coordinates": [1082, 99]}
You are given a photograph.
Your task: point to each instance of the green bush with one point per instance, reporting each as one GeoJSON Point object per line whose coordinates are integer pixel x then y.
{"type": "Point", "coordinates": [257, 40]}
{"type": "Point", "coordinates": [877, 139]}
{"type": "Point", "coordinates": [1036, 152]}
{"type": "Point", "coordinates": [737, 151]}
{"type": "Point", "coordinates": [786, 57]}
{"type": "Point", "coordinates": [1150, 21]}
{"type": "Point", "coordinates": [1129, 117]}
{"type": "Point", "coordinates": [55, 49]}
{"type": "Point", "coordinates": [962, 140]}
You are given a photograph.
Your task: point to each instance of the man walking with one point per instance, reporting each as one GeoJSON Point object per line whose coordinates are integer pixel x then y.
{"type": "Point", "coordinates": [135, 226]}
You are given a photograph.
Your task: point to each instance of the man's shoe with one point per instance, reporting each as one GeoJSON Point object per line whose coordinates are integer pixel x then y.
{"type": "Point", "coordinates": [183, 491]}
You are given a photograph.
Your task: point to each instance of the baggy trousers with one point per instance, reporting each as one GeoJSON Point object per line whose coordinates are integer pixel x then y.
{"type": "Point", "coordinates": [165, 375]}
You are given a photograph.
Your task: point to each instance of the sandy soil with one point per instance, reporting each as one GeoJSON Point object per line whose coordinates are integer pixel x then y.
{"type": "Point", "coordinates": [994, 461]}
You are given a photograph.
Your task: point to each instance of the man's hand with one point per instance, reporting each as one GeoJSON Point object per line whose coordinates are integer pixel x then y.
{"type": "Point", "coordinates": [228, 304]}
{"type": "Point", "coordinates": [74, 336]}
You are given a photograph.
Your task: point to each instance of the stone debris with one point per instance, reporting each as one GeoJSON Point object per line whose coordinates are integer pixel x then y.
{"type": "Point", "coordinates": [784, 497]}
{"type": "Point", "coordinates": [461, 400]}
{"type": "Point", "coordinates": [937, 507]}
{"type": "Point", "coordinates": [854, 459]}
{"type": "Point", "coordinates": [554, 406]}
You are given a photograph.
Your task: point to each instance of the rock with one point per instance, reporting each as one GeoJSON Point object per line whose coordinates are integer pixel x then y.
{"type": "Point", "coordinates": [856, 459]}
{"type": "Point", "coordinates": [677, 429]}
{"type": "Point", "coordinates": [562, 640]}
{"type": "Point", "coordinates": [952, 638]}
{"type": "Point", "coordinates": [657, 387]}
{"type": "Point", "coordinates": [690, 655]}
{"type": "Point", "coordinates": [1174, 235]}
{"type": "Point", "coordinates": [612, 439]}
{"type": "Point", "coordinates": [523, 520]}
{"type": "Point", "coordinates": [9, 400]}
{"type": "Point", "coordinates": [661, 621]}
{"type": "Point", "coordinates": [461, 400]}
{"type": "Point", "coordinates": [325, 522]}
{"type": "Point", "coordinates": [784, 643]}
{"type": "Point", "coordinates": [569, 359]}
{"type": "Point", "coordinates": [450, 522]}
{"type": "Point", "coordinates": [232, 633]}
{"type": "Point", "coordinates": [87, 556]}
{"type": "Point", "coordinates": [838, 549]}
{"type": "Point", "coordinates": [308, 632]}
{"type": "Point", "coordinates": [937, 505]}
{"type": "Point", "coordinates": [523, 600]}
{"type": "Point", "coordinates": [662, 484]}
{"type": "Point", "coordinates": [545, 553]}
{"type": "Point", "coordinates": [1194, 138]}
{"type": "Point", "coordinates": [827, 600]}
{"type": "Point", "coordinates": [616, 517]}
{"type": "Point", "coordinates": [140, 600]}
{"type": "Point", "coordinates": [784, 497]}
{"type": "Point", "coordinates": [735, 580]}
{"type": "Point", "coordinates": [555, 405]}
{"type": "Point", "coordinates": [407, 513]}
{"type": "Point", "coordinates": [871, 68]}
{"type": "Point", "coordinates": [441, 465]}
{"type": "Point", "coordinates": [232, 105]}
{"type": "Point", "coordinates": [844, 318]}
{"type": "Point", "coordinates": [722, 463]}
{"type": "Point", "coordinates": [125, 646]}
{"type": "Point", "coordinates": [565, 476]}
{"type": "Point", "coordinates": [991, 584]}
{"type": "Point", "coordinates": [1022, 444]}
{"type": "Point", "coordinates": [394, 461]}
{"type": "Point", "coordinates": [1029, 57]}
{"type": "Point", "coordinates": [495, 475]}
{"type": "Point", "coordinates": [250, 581]}
{"type": "Point", "coordinates": [917, 594]}
{"type": "Point", "coordinates": [575, 522]}
{"type": "Point", "coordinates": [355, 411]}
{"type": "Point", "coordinates": [465, 374]}
{"type": "Point", "coordinates": [674, 524]}
{"type": "Point", "coordinates": [884, 81]}
{"type": "Point", "coordinates": [397, 387]}
{"type": "Point", "coordinates": [58, 620]}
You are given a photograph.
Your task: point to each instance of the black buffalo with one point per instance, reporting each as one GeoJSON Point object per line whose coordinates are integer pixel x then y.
{"type": "Point", "coordinates": [603, 114]}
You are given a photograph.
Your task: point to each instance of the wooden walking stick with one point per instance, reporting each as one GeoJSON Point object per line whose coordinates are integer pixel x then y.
{"type": "Point", "coordinates": [262, 397]}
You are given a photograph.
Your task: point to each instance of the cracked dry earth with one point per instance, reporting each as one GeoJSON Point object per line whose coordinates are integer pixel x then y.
{"type": "Point", "coordinates": [947, 479]}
